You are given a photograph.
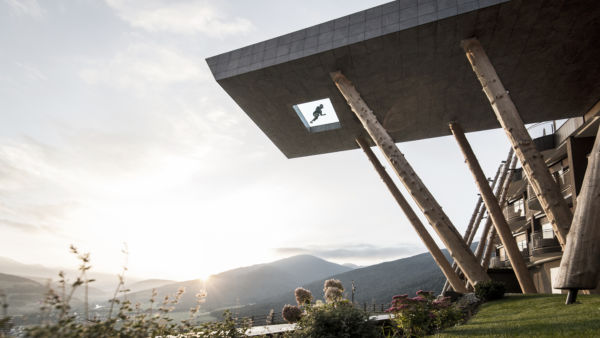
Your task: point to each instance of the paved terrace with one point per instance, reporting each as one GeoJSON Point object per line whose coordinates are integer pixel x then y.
{"type": "Point", "coordinates": [405, 59]}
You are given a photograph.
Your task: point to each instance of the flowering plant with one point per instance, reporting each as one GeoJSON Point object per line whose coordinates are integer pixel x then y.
{"type": "Point", "coordinates": [423, 314]}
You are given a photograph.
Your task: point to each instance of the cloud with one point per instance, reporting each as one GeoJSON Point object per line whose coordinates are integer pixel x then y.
{"type": "Point", "coordinates": [181, 17]}
{"type": "Point", "coordinates": [351, 251]}
{"type": "Point", "coordinates": [145, 65]}
{"type": "Point", "coordinates": [18, 225]}
{"type": "Point", "coordinates": [31, 72]}
{"type": "Point", "coordinates": [25, 8]}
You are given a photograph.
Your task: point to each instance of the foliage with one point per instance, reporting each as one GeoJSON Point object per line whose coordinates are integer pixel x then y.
{"type": "Point", "coordinates": [131, 320]}
{"type": "Point", "coordinates": [532, 316]}
{"type": "Point", "coordinates": [226, 328]}
{"type": "Point", "coordinates": [338, 319]}
{"type": "Point", "coordinates": [490, 290]}
{"type": "Point", "coordinates": [291, 313]}
{"type": "Point", "coordinates": [333, 290]}
{"type": "Point", "coordinates": [303, 296]}
{"type": "Point", "coordinates": [422, 314]}
{"type": "Point", "coordinates": [5, 320]}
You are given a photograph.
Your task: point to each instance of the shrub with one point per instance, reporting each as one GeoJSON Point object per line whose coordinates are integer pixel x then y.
{"type": "Point", "coordinates": [333, 283]}
{"type": "Point", "coordinates": [339, 319]}
{"type": "Point", "coordinates": [333, 290]}
{"type": "Point", "coordinates": [490, 290]}
{"type": "Point", "coordinates": [291, 313]}
{"type": "Point", "coordinates": [303, 296]}
{"type": "Point", "coordinates": [423, 314]}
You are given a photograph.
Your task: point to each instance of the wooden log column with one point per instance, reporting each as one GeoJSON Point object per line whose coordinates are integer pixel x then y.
{"type": "Point", "coordinates": [473, 231]}
{"type": "Point", "coordinates": [502, 185]}
{"type": "Point", "coordinates": [494, 212]}
{"type": "Point", "coordinates": [426, 202]}
{"type": "Point", "coordinates": [544, 186]}
{"type": "Point", "coordinates": [580, 264]}
{"type": "Point", "coordinates": [474, 223]}
{"type": "Point", "coordinates": [414, 220]}
{"type": "Point", "coordinates": [488, 236]}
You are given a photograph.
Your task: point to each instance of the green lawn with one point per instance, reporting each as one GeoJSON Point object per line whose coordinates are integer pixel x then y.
{"type": "Point", "coordinates": [533, 316]}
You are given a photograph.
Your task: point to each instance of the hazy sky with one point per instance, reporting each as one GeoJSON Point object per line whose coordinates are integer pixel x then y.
{"type": "Point", "coordinates": [113, 130]}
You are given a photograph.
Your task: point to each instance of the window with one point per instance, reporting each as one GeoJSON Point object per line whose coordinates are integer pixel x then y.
{"type": "Point", "coordinates": [547, 231]}
{"type": "Point", "coordinates": [502, 254]}
{"type": "Point", "coordinates": [317, 116]}
{"type": "Point", "coordinates": [522, 242]}
{"type": "Point", "coordinates": [519, 207]}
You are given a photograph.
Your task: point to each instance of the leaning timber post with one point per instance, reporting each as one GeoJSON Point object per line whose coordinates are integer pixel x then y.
{"type": "Point", "coordinates": [510, 164]}
{"type": "Point", "coordinates": [544, 186]}
{"type": "Point", "coordinates": [473, 231]}
{"type": "Point", "coordinates": [424, 199]}
{"type": "Point", "coordinates": [473, 223]}
{"type": "Point", "coordinates": [580, 264]}
{"type": "Point", "coordinates": [494, 211]}
{"type": "Point", "coordinates": [492, 233]}
{"type": "Point", "coordinates": [435, 251]}
{"type": "Point", "coordinates": [487, 255]}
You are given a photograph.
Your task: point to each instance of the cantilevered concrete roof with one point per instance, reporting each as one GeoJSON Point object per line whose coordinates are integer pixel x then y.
{"type": "Point", "coordinates": [405, 59]}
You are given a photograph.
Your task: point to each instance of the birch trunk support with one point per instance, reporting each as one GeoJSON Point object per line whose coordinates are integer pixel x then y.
{"type": "Point", "coordinates": [580, 264]}
{"type": "Point", "coordinates": [494, 211]}
{"type": "Point", "coordinates": [412, 217]}
{"type": "Point", "coordinates": [492, 233]}
{"type": "Point", "coordinates": [424, 199]}
{"type": "Point", "coordinates": [474, 223]}
{"type": "Point", "coordinates": [545, 188]}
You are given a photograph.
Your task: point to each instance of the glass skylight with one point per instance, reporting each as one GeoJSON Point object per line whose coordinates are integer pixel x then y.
{"type": "Point", "coordinates": [318, 115]}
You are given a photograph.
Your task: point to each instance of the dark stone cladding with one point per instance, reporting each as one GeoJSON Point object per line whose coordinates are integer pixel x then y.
{"type": "Point", "coordinates": [357, 27]}
{"type": "Point", "coordinates": [405, 59]}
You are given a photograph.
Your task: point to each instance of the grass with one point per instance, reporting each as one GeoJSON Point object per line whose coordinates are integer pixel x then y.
{"type": "Point", "coordinates": [533, 316]}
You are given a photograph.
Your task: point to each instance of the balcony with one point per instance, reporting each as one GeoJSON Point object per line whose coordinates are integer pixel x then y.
{"type": "Point", "coordinates": [496, 263]}
{"type": "Point", "coordinates": [565, 182]}
{"type": "Point", "coordinates": [541, 245]}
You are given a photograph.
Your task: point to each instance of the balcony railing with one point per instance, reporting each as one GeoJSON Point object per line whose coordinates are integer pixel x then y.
{"type": "Point", "coordinates": [565, 182]}
{"type": "Point", "coordinates": [511, 214]}
{"type": "Point", "coordinates": [496, 263]}
{"type": "Point", "coordinates": [541, 245]}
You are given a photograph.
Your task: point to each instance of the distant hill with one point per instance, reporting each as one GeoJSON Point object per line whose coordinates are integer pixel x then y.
{"type": "Point", "coordinates": [250, 284]}
{"type": "Point", "coordinates": [105, 282]}
{"type": "Point", "coordinates": [23, 294]}
{"type": "Point", "coordinates": [374, 284]}
{"type": "Point", "coordinates": [148, 284]}
{"type": "Point", "coordinates": [353, 266]}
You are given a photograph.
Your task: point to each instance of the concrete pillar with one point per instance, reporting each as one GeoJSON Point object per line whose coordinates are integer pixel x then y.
{"type": "Point", "coordinates": [414, 220]}
{"type": "Point", "coordinates": [546, 189]}
{"type": "Point", "coordinates": [494, 211]}
{"type": "Point", "coordinates": [580, 264]}
{"type": "Point", "coordinates": [433, 211]}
